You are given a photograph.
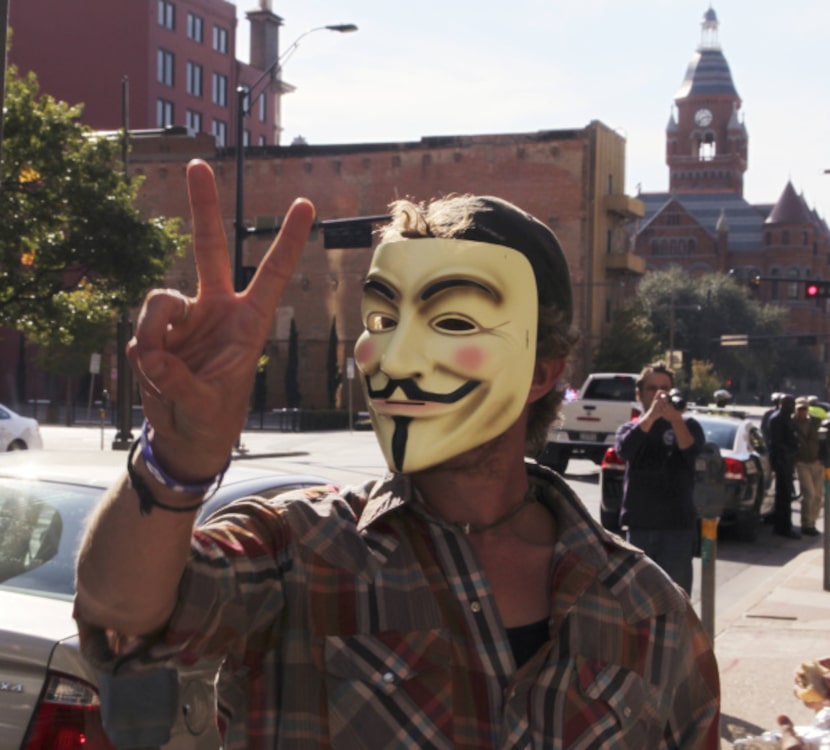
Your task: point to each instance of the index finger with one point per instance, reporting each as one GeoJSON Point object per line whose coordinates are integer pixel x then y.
{"type": "Point", "coordinates": [210, 246]}
{"type": "Point", "coordinates": [278, 265]}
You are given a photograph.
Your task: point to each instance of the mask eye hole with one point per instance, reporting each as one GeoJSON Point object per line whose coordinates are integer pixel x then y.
{"type": "Point", "coordinates": [454, 324]}
{"type": "Point", "coordinates": [377, 322]}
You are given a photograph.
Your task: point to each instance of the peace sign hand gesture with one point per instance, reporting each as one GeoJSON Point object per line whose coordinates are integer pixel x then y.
{"type": "Point", "coordinates": [195, 357]}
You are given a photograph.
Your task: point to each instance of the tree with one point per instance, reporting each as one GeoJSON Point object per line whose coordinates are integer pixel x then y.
{"type": "Point", "coordinates": [629, 345]}
{"type": "Point", "coordinates": [292, 367]}
{"type": "Point", "coordinates": [333, 373]}
{"type": "Point", "coordinates": [697, 311]}
{"type": "Point", "coordinates": [74, 250]}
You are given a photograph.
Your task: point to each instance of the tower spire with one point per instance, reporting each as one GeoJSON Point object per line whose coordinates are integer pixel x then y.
{"type": "Point", "coordinates": [709, 30]}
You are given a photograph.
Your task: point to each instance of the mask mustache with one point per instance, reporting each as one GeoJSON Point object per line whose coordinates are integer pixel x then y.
{"type": "Point", "coordinates": [414, 393]}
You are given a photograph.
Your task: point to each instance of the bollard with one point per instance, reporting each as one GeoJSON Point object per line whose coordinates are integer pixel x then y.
{"type": "Point", "coordinates": [708, 557]}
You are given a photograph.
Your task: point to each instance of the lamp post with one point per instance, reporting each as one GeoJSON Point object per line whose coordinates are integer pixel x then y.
{"type": "Point", "coordinates": [243, 107]}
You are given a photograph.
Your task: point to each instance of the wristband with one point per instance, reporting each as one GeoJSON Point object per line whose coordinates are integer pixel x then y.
{"type": "Point", "coordinates": [162, 477]}
{"type": "Point", "coordinates": [146, 498]}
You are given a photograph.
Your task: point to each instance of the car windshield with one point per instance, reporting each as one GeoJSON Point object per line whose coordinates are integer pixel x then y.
{"type": "Point", "coordinates": [40, 529]}
{"type": "Point", "coordinates": [720, 433]}
{"type": "Point", "coordinates": [611, 389]}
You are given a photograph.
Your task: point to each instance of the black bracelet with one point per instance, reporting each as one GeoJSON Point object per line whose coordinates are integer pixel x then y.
{"type": "Point", "coordinates": [146, 500]}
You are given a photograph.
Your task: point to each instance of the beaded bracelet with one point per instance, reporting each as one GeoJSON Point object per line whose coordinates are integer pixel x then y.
{"type": "Point", "coordinates": [145, 496]}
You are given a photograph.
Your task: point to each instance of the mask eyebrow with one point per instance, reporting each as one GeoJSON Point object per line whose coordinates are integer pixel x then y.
{"type": "Point", "coordinates": [378, 286]}
{"type": "Point", "coordinates": [440, 286]}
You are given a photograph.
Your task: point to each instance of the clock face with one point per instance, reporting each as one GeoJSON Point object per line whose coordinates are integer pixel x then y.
{"type": "Point", "coordinates": [703, 117]}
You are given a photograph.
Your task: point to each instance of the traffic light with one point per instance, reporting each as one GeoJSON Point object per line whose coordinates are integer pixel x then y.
{"type": "Point", "coordinates": [817, 290]}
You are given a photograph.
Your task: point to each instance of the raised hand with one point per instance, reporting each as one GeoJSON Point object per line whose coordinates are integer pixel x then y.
{"type": "Point", "coordinates": [195, 358]}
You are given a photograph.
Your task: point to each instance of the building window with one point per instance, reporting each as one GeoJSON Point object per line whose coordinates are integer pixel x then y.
{"type": "Point", "coordinates": [793, 287]}
{"type": "Point", "coordinates": [263, 109]}
{"type": "Point", "coordinates": [220, 130]}
{"type": "Point", "coordinates": [220, 39]}
{"type": "Point", "coordinates": [193, 122]}
{"type": "Point", "coordinates": [167, 14]}
{"type": "Point", "coordinates": [262, 140]}
{"type": "Point", "coordinates": [246, 137]}
{"type": "Point", "coordinates": [194, 79]}
{"type": "Point", "coordinates": [220, 89]}
{"type": "Point", "coordinates": [164, 113]}
{"type": "Point", "coordinates": [195, 28]}
{"type": "Point", "coordinates": [166, 62]}
{"type": "Point", "coordinates": [785, 237]}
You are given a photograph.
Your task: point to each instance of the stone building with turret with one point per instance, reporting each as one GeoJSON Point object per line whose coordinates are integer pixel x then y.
{"type": "Point", "coordinates": [703, 223]}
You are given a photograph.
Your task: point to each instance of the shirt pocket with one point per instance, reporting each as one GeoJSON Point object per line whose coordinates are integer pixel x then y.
{"type": "Point", "coordinates": [632, 719]}
{"type": "Point", "coordinates": [389, 689]}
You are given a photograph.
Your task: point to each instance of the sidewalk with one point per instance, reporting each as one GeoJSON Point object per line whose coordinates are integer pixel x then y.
{"type": "Point", "coordinates": [770, 632]}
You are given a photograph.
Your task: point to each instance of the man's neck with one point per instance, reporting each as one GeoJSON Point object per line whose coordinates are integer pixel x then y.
{"type": "Point", "coordinates": [478, 486]}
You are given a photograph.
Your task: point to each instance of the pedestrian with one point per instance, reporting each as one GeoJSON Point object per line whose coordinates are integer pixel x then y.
{"type": "Point", "coordinates": [808, 466]}
{"type": "Point", "coordinates": [775, 402]}
{"type": "Point", "coordinates": [660, 448]}
{"type": "Point", "coordinates": [465, 600]}
{"type": "Point", "coordinates": [783, 448]}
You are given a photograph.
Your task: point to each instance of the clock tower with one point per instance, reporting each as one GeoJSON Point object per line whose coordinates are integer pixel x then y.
{"type": "Point", "coordinates": [706, 142]}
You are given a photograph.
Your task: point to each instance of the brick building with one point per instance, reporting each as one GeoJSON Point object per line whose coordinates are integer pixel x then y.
{"type": "Point", "coordinates": [571, 179]}
{"type": "Point", "coordinates": [179, 57]}
{"type": "Point", "coordinates": [703, 223]}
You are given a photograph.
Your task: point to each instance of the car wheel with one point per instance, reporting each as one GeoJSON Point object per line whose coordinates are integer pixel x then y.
{"type": "Point", "coordinates": [17, 445]}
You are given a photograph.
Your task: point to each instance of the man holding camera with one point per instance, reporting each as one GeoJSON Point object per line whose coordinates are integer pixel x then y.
{"type": "Point", "coordinates": [660, 448]}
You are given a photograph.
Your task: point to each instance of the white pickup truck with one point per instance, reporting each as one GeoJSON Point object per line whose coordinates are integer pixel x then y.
{"type": "Point", "coordinates": [587, 425]}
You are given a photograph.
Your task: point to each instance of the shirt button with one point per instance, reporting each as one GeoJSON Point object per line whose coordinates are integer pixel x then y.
{"type": "Point", "coordinates": [475, 607]}
{"type": "Point", "coordinates": [388, 678]}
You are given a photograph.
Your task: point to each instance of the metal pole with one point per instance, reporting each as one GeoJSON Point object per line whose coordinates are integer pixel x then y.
{"type": "Point", "coordinates": [708, 557]}
{"type": "Point", "coordinates": [239, 231]}
{"type": "Point", "coordinates": [826, 537]}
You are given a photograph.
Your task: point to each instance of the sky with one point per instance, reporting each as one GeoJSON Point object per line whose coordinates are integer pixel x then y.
{"type": "Point", "coordinates": [467, 67]}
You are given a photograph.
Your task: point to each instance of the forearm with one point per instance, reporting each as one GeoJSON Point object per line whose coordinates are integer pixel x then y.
{"type": "Point", "coordinates": [130, 564]}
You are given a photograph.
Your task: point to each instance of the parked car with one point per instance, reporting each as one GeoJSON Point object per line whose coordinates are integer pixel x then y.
{"type": "Point", "coordinates": [49, 692]}
{"type": "Point", "coordinates": [18, 433]}
{"type": "Point", "coordinates": [747, 475]}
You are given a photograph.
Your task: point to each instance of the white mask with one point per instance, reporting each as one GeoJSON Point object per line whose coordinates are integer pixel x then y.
{"type": "Point", "coordinates": [449, 349]}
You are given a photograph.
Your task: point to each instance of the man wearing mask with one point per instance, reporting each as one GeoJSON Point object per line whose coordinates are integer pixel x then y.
{"type": "Point", "coordinates": [466, 599]}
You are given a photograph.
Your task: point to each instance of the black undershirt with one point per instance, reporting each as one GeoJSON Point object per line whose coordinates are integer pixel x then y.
{"type": "Point", "coordinates": [526, 640]}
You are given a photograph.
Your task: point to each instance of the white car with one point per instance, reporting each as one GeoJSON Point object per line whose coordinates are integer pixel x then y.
{"type": "Point", "coordinates": [49, 694]}
{"type": "Point", "coordinates": [18, 433]}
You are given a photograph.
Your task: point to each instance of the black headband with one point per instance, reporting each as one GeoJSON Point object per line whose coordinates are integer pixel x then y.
{"type": "Point", "coordinates": [501, 223]}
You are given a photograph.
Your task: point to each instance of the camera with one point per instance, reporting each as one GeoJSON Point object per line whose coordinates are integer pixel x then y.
{"type": "Point", "coordinates": [678, 400]}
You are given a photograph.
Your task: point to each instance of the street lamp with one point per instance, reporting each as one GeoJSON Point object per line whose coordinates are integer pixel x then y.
{"type": "Point", "coordinates": [243, 107]}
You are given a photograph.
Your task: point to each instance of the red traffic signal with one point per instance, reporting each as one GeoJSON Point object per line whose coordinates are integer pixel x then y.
{"type": "Point", "coordinates": [817, 290]}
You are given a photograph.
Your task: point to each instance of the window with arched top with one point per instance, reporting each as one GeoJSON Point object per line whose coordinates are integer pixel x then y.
{"type": "Point", "coordinates": [792, 283]}
{"type": "Point", "coordinates": [775, 287]}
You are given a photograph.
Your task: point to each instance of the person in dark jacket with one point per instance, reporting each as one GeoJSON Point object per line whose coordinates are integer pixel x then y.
{"type": "Point", "coordinates": [783, 446]}
{"type": "Point", "coordinates": [660, 448]}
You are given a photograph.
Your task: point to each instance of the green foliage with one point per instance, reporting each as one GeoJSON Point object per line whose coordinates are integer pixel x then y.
{"type": "Point", "coordinates": [629, 345]}
{"type": "Point", "coordinates": [691, 314]}
{"type": "Point", "coordinates": [74, 250]}
{"type": "Point", "coordinates": [293, 396]}
{"type": "Point", "coordinates": [333, 373]}
{"type": "Point", "coordinates": [705, 381]}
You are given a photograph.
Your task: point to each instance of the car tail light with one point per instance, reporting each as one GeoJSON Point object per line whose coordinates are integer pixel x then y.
{"type": "Point", "coordinates": [734, 469]}
{"type": "Point", "coordinates": [635, 413]}
{"type": "Point", "coordinates": [611, 460]}
{"type": "Point", "coordinates": [67, 717]}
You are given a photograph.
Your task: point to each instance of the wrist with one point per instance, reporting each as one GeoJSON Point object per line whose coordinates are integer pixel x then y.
{"type": "Point", "coordinates": [168, 462]}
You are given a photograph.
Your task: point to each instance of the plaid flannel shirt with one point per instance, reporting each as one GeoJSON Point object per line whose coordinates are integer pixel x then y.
{"type": "Point", "coordinates": [356, 620]}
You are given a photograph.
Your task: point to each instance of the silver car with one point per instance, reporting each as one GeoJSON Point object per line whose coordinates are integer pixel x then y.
{"type": "Point", "coordinates": [48, 693]}
{"type": "Point", "coordinates": [18, 433]}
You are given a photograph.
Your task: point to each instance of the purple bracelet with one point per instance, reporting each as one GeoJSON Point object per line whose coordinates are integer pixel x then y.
{"type": "Point", "coordinates": [162, 477]}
